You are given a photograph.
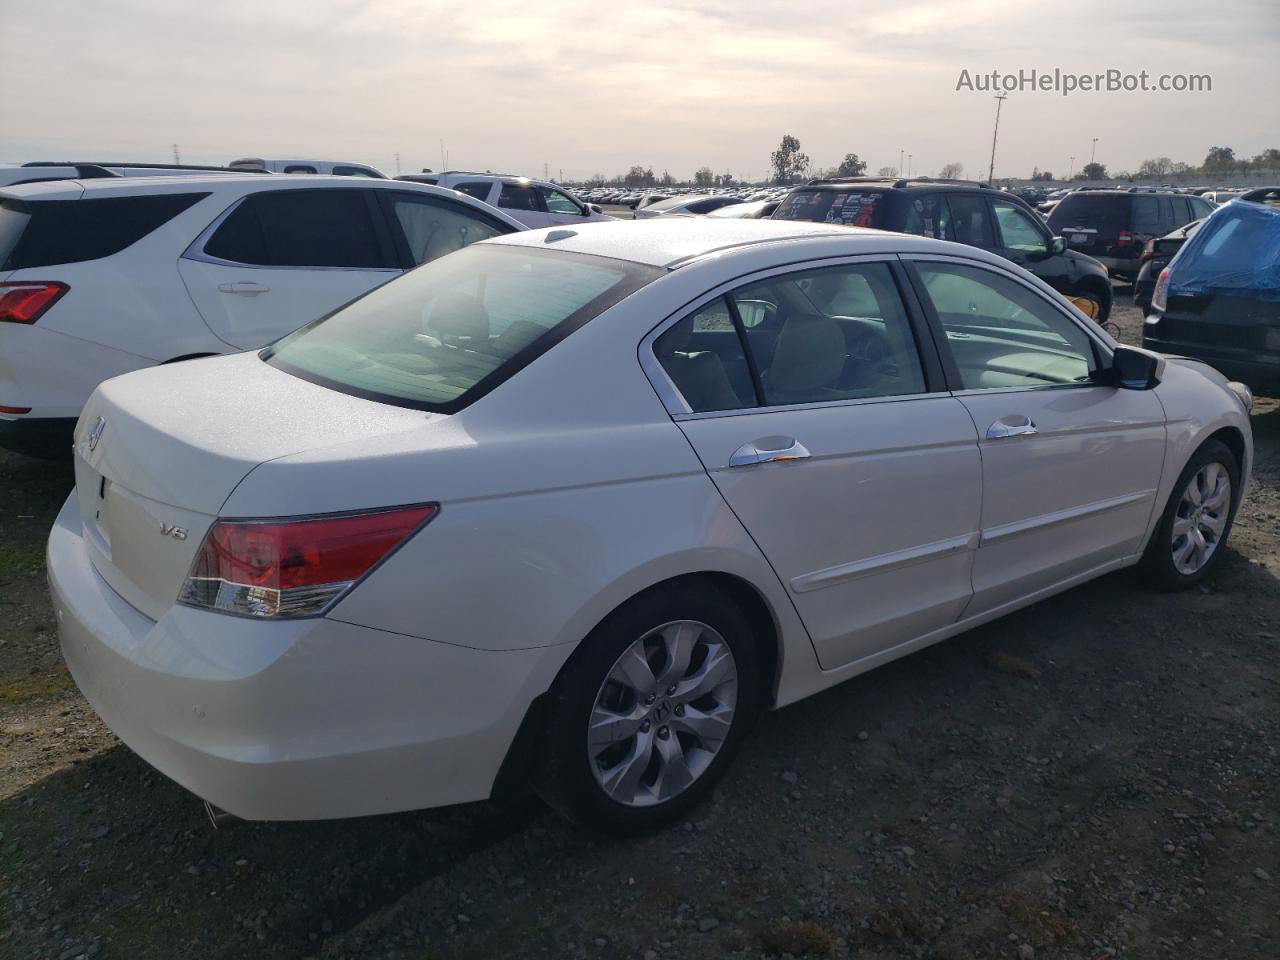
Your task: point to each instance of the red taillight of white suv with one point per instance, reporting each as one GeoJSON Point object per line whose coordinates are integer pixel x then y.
{"type": "Point", "coordinates": [26, 302]}
{"type": "Point", "coordinates": [297, 567]}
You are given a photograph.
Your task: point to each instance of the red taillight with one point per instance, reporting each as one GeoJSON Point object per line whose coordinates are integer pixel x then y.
{"type": "Point", "coordinates": [290, 568]}
{"type": "Point", "coordinates": [26, 302]}
{"type": "Point", "coordinates": [15, 410]}
{"type": "Point", "coordinates": [1124, 239]}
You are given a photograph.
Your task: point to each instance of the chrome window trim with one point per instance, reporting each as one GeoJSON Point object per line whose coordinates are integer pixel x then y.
{"type": "Point", "coordinates": [669, 393]}
{"type": "Point", "coordinates": [195, 249]}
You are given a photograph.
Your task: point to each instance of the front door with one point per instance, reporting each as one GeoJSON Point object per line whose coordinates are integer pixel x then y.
{"type": "Point", "coordinates": [830, 436]}
{"type": "Point", "coordinates": [283, 258]}
{"type": "Point", "coordinates": [1070, 467]}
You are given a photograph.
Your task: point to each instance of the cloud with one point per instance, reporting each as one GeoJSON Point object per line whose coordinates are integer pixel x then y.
{"type": "Point", "coordinates": [585, 87]}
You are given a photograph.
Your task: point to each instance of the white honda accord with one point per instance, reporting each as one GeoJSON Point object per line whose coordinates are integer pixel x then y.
{"type": "Point", "coordinates": [573, 506]}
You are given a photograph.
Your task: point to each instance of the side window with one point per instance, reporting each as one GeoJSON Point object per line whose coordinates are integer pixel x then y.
{"type": "Point", "coordinates": [1017, 230]}
{"type": "Point", "coordinates": [703, 356]}
{"type": "Point", "coordinates": [839, 333]}
{"type": "Point", "coordinates": [1146, 215]}
{"type": "Point", "coordinates": [1002, 334]}
{"type": "Point", "coordinates": [433, 227]}
{"type": "Point", "coordinates": [557, 202]}
{"type": "Point", "coordinates": [1181, 211]}
{"type": "Point", "coordinates": [342, 171]}
{"type": "Point", "coordinates": [299, 168]}
{"type": "Point", "coordinates": [927, 217]}
{"type": "Point", "coordinates": [969, 221]}
{"type": "Point", "coordinates": [300, 228]}
{"type": "Point", "coordinates": [518, 196]}
{"type": "Point", "coordinates": [478, 190]}
{"type": "Point", "coordinates": [1167, 222]}
{"type": "Point", "coordinates": [1199, 208]}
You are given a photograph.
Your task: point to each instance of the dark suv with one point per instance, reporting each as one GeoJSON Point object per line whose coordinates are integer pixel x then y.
{"type": "Point", "coordinates": [1113, 226]}
{"type": "Point", "coordinates": [960, 211]}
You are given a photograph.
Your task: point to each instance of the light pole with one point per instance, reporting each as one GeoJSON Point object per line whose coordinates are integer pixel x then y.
{"type": "Point", "coordinates": [1094, 152]}
{"type": "Point", "coordinates": [908, 164]}
{"type": "Point", "coordinates": [901, 153]}
{"type": "Point", "coordinates": [1000, 99]}
{"type": "Point", "coordinates": [1071, 166]}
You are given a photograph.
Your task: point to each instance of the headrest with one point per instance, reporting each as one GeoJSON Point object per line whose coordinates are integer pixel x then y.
{"type": "Point", "coordinates": [810, 354]}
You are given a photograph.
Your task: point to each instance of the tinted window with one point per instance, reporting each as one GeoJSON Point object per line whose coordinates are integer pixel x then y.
{"type": "Point", "coordinates": [46, 232]}
{"type": "Point", "coordinates": [299, 228]}
{"type": "Point", "coordinates": [1001, 334]}
{"type": "Point", "coordinates": [1018, 230]}
{"type": "Point", "coordinates": [299, 168]}
{"type": "Point", "coordinates": [1199, 208]}
{"type": "Point", "coordinates": [1181, 211]}
{"type": "Point", "coordinates": [1085, 210]}
{"type": "Point", "coordinates": [1146, 214]}
{"type": "Point", "coordinates": [711, 203]}
{"type": "Point", "coordinates": [970, 222]}
{"type": "Point", "coordinates": [478, 190]}
{"type": "Point", "coordinates": [341, 171]}
{"type": "Point", "coordinates": [433, 227]}
{"type": "Point", "coordinates": [927, 216]}
{"type": "Point", "coordinates": [449, 332]}
{"type": "Point", "coordinates": [852, 208]}
{"type": "Point", "coordinates": [703, 356]}
{"type": "Point", "coordinates": [557, 202]}
{"type": "Point", "coordinates": [518, 196]}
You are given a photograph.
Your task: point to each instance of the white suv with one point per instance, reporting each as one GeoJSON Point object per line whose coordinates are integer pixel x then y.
{"type": "Point", "coordinates": [535, 203]}
{"type": "Point", "coordinates": [100, 277]}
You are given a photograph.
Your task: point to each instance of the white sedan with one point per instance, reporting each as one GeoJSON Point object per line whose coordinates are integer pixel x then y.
{"type": "Point", "coordinates": [572, 506]}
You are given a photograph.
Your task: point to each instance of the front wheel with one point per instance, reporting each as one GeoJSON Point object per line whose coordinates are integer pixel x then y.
{"type": "Point", "coordinates": [1186, 546]}
{"type": "Point", "coordinates": [650, 710]}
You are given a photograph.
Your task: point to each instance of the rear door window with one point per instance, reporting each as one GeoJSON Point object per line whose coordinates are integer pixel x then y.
{"type": "Point", "coordinates": [519, 196]}
{"type": "Point", "coordinates": [927, 217]}
{"type": "Point", "coordinates": [47, 232]}
{"type": "Point", "coordinates": [1146, 215]}
{"type": "Point", "coordinates": [477, 189]}
{"type": "Point", "coordinates": [431, 226]}
{"type": "Point", "coordinates": [301, 228]}
{"type": "Point", "coordinates": [970, 221]}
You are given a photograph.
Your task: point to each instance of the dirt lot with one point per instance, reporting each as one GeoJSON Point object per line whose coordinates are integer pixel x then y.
{"type": "Point", "coordinates": [1095, 776]}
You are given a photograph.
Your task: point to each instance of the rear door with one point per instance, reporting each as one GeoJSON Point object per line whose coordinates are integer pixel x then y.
{"type": "Point", "coordinates": [280, 259]}
{"type": "Point", "coordinates": [1022, 238]}
{"type": "Point", "coordinates": [522, 201]}
{"type": "Point", "coordinates": [829, 432]}
{"type": "Point", "coordinates": [1070, 468]}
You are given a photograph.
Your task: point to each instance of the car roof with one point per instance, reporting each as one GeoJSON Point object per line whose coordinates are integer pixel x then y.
{"type": "Point", "coordinates": [672, 241]}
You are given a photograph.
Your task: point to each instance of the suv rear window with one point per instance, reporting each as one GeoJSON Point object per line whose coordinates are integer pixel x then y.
{"type": "Point", "coordinates": [42, 233]}
{"type": "Point", "coordinates": [853, 208]}
{"type": "Point", "coordinates": [449, 332]}
{"type": "Point", "coordinates": [1077, 210]}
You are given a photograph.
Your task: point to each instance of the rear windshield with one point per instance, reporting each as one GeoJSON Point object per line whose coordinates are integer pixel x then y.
{"type": "Point", "coordinates": [449, 332]}
{"type": "Point", "coordinates": [1085, 211]}
{"type": "Point", "coordinates": [853, 208]}
{"type": "Point", "coordinates": [47, 232]}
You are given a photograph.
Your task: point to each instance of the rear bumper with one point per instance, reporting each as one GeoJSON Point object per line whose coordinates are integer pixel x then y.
{"type": "Point", "coordinates": [1259, 371]}
{"type": "Point", "coordinates": [296, 720]}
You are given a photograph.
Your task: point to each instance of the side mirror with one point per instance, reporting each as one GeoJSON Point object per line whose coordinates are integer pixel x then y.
{"type": "Point", "coordinates": [593, 208]}
{"type": "Point", "coordinates": [1057, 246]}
{"type": "Point", "coordinates": [1133, 368]}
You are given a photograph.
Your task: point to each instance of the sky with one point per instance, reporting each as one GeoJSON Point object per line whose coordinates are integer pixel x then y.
{"type": "Point", "coordinates": [577, 87]}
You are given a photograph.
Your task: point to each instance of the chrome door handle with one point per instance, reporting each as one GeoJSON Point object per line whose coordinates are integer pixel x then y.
{"type": "Point", "coordinates": [245, 288]}
{"type": "Point", "coordinates": [1014, 425]}
{"type": "Point", "coordinates": [768, 450]}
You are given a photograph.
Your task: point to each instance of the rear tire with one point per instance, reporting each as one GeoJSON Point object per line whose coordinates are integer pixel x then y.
{"type": "Point", "coordinates": [650, 710]}
{"type": "Point", "coordinates": [1187, 543]}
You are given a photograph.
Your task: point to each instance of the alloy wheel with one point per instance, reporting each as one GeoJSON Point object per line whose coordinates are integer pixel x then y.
{"type": "Point", "coordinates": [1201, 518]}
{"type": "Point", "coordinates": [662, 714]}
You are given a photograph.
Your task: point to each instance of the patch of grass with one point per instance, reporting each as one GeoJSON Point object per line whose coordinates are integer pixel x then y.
{"type": "Point", "coordinates": [800, 938]}
{"type": "Point", "coordinates": [21, 559]}
{"type": "Point", "coordinates": [37, 686]}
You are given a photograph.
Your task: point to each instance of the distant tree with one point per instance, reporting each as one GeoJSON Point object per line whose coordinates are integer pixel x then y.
{"type": "Point", "coordinates": [635, 176]}
{"type": "Point", "coordinates": [887, 172]}
{"type": "Point", "coordinates": [1155, 168]}
{"type": "Point", "coordinates": [1267, 160]}
{"type": "Point", "coordinates": [1095, 171]}
{"type": "Point", "coordinates": [851, 166]}
{"type": "Point", "coordinates": [787, 162]}
{"type": "Point", "coordinates": [667, 179]}
{"type": "Point", "coordinates": [1220, 158]}
{"type": "Point", "coordinates": [952, 171]}
{"type": "Point", "coordinates": [704, 177]}
{"type": "Point", "coordinates": [1038, 174]}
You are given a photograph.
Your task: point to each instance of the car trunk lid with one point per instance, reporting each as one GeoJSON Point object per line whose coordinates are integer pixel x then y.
{"type": "Point", "coordinates": [158, 452]}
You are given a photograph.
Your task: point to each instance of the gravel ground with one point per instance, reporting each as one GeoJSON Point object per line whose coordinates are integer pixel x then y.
{"type": "Point", "coordinates": [1095, 776]}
